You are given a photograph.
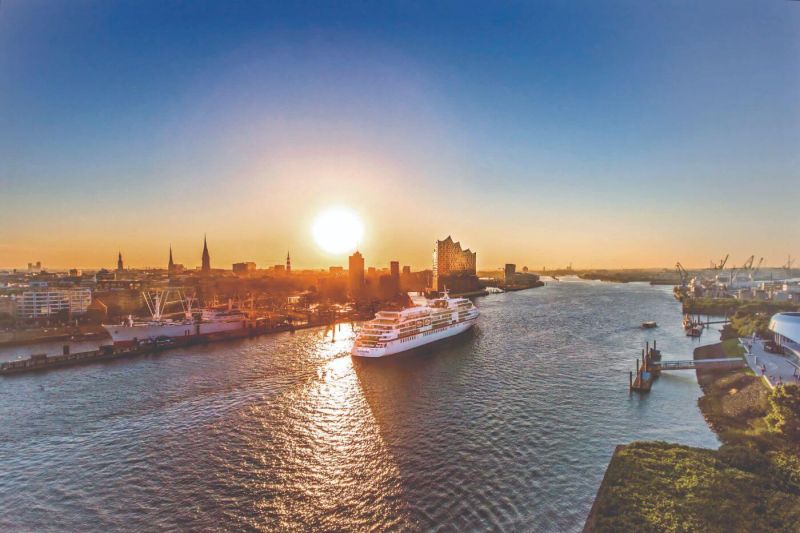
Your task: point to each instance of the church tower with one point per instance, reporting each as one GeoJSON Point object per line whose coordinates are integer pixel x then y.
{"type": "Point", "coordinates": [120, 266]}
{"type": "Point", "coordinates": [288, 264]}
{"type": "Point", "coordinates": [171, 265]}
{"type": "Point", "coordinates": [206, 257]}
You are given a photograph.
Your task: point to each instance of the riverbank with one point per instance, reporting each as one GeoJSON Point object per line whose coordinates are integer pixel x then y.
{"type": "Point", "coordinates": [752, 483]}
{"type": "Point", "coordinates": [747, 316]}
{"type": "Point", "coordinates": [533, 285]}
{"type": "Point", "coordinates": [52, 334]}
{"type": "Point", "coordinates": [38, 362]}
{"type": "Point", "coordinates": [653, 277]}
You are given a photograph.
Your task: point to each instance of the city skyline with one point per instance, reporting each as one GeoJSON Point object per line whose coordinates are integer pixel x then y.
{"type": "Point", "coordinates": [604, 136]}
{"type": "Point", "coordinates": [190, 266]}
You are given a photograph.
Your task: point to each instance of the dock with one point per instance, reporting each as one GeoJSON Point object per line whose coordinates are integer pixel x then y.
{"type": "Point", "coordinates": [722, 363]}
{"type": "Point", "coordinates": [38, 362]}
{"type": "Point", "coordinates": [651, 365]}
{"type": "Point", "coordinates": [645, 374]}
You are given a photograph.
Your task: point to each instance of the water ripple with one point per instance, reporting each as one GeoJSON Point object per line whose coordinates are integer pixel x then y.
{"type": "Point", "coordinates": [508, 427]}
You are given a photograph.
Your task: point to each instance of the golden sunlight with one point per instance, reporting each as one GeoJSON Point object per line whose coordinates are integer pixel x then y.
{"type": "Point", "coordinates": [337, 230]}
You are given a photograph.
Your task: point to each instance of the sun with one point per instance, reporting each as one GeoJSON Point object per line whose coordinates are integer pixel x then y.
{"type": "Point", "coordinates": [337, 230]}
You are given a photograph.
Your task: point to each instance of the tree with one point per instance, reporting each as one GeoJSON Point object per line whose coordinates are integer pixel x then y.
{"type": "Point", "coordinates": [784, 414]}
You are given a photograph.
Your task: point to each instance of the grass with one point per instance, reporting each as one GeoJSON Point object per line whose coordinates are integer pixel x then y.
{"type": "Point", "coordinates": [732, 348]}
{"type": "Point", "coordinates": [734, 404]}
{"type": "Point", "coordinates": [656, 486]}
{"type": "Point", "coordinates": [711, 306]}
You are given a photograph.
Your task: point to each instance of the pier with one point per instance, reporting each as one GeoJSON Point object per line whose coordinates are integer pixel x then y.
{"type": "Point", "coordinates": [722, 363]}
{"type": "Point", "coordinates": [38, 362]}
{"type": "Point", "coordinates": [645, 373]}
{"type": "Point", "coordinates": [650, 367]}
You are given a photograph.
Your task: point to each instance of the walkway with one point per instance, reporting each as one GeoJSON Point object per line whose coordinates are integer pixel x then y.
{"type": "Point", "coordinates": [690, 364]}
{"type": "Point", "coordinates": [778, 369]}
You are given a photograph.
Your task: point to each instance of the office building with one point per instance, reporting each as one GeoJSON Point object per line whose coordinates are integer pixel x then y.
{"type": "Point", "coordinates": [356, 273]}
{"type": "Point", "coordinates": [244, 268]}
{"type": "Point", "coordinates": [509, 271]}
{"type": "Point", "coordinates": [46, 302]}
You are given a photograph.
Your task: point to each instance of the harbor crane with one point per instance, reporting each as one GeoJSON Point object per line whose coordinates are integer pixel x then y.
{"type": "Point", "coordinates": [757, 268]}
{"type": "Point", "coordinates": [684, 275]}
{"type": "Point", "coordinates": [746, 267]}
{"type": "Point", "coordinates": [721, 265]}
{"type": "Point", "coordinates": [788, 265]}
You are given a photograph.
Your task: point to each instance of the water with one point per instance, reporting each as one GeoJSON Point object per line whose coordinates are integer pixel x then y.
{"type": "Point", "coordinates": [508, 427]}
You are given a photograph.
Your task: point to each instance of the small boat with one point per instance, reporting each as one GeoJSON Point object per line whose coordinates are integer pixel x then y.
{"type": "Point", "coordinates": [650, 324]}
{"type": "Point", "coordinates": [694, 332]}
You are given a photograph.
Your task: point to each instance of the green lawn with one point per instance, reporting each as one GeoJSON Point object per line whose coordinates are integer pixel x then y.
{"type": "Point", "coordinates": [656, 486]}
{"type": "Point", "coordinates": [732, 348]}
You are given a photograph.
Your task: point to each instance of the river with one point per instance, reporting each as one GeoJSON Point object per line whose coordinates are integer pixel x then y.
{"type": "Point", "coordinates": [509, 426]}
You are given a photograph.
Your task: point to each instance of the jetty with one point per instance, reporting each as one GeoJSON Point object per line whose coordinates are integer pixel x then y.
{"type": "Point", "coordinates": [722, 363]}
{"type": "Point", "coordinates": [37, 362]}
{"type": "Point", "coordinates": [650, 366]}
{"type": "Point", "coordinates": [644, 369]}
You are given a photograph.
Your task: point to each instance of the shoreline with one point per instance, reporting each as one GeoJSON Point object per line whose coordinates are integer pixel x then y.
{"type": "Point", "coordinates": [644, 480]}
{"type": "Point", "coordinates": [34, 363]}
{"type": "Point", "coordinates": [15, 339]}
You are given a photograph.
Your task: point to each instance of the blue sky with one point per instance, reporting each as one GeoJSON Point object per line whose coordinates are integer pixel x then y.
{"type": "Point", "coordinates": [602, 133]}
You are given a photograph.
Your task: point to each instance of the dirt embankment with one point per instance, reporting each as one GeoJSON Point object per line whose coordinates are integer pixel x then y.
{"type": "Point", "coordinates": [733, 402]}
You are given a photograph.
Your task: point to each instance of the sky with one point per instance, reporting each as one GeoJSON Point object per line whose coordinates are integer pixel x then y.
{"type": "Point", "coordinates": [603, 134]}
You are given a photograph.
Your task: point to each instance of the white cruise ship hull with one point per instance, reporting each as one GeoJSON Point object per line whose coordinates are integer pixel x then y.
{"type": "Point", "coordinates": [126, 335]}
{"type": "Point", "coordinates": [415, 341]}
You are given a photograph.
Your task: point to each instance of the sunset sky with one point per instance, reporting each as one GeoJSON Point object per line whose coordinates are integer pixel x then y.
{"type": "Point", "coordinates": [606, 134]}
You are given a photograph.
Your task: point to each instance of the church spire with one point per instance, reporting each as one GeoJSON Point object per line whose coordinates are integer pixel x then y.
{"type": "Point", "coordinates": [120, 266]}
{"type": "Point", "coordinates": [171, 266]}
{"type": "Point", "coordinates": [206, 256]}
{"type": "Point", "coordinates": [288, 263]}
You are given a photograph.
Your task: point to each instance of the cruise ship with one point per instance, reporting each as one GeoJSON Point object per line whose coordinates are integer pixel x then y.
{"type": "Point", "coordinates": [194, 323]}
{"type": "Point", "coordinates": [427, 321]}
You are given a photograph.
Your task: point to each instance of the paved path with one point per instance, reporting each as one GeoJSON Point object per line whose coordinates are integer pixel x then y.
{"type": "Point", "coordinates": [778, 368]}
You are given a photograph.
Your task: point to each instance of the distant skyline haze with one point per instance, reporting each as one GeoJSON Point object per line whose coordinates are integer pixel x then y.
{"type": "Point", "coordinates": [606, 135]}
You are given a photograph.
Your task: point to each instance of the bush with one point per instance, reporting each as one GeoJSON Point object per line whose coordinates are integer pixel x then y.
{"type": "Point", "coordinates": [728, 332]}
{"type": "Point", "coordinates": [785, 470]}
{"type": "Point", "coordinates": [744, 457]}
{"type": "Point", "coordinates": [784, 413]}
